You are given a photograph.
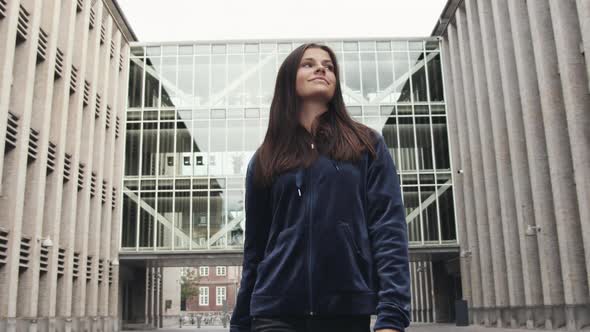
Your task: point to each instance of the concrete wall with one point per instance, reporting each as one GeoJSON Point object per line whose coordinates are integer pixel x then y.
{"type": "Point", "coordinates": [516, 81]}
{"type": "Point", "coordinates": [63, 86]}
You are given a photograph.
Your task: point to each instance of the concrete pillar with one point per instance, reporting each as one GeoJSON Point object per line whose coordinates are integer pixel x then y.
{"type": "Point", "coordinates": [104, 160]}
{"type": "Point", "coordinates": [7, 47]}
{"type": "Point", "coordinates": [532, 286]}
{"type": "Point", "coordinates": [584, 18]}
{"type": "Point", "coordinates": [544, 216]}
{"type": "Point", "coordinates": [71, 306]}
{"type": "Point", "coordinates": [576, 97]}
{"type": "Point", "coordinates": [561, 169]}
{"type": "Point", "coordinates": [37, 170]}
{"type": "Point", "coordinates": [477, 169]}
{"type": "Point", "coordinates": [490, 173]}
{"type": "Point", "coordinates": [89, 235]}
{"type": "Point", "coordinates": [15, 168]}
{"type": "Point", "coordinates": [450, 87]}
{"type": "Point", "coordinates": [509, 228]}
{"type": "Point", "coordinates": [53, 299]}
{"type": "Point", "coordinates": [472, 254]}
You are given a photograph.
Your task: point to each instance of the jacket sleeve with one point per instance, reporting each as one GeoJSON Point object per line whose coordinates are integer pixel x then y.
{"type": "Point", "coordinates": [389, 241]}
{"type": "Point", "coordinates": [257, 226]}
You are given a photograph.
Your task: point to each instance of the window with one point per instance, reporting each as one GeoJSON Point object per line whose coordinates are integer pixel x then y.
{"type": "Point", "coordinates": [220, 270]}
{"type": "Point", "coordinates": [204, 271]}
{"type": "Point", "coordinates": [203, 295]}
{"type": "Point", "coordinates": [220, 292]}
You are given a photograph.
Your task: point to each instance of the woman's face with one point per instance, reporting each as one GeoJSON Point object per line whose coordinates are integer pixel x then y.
{"type": "Point", "coordinates": [315, 76]}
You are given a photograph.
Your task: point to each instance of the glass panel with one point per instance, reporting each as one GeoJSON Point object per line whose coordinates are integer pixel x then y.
{"type": "Point", "coordinates": [182, 204]}
{"type": "Point", "coordinates": [185, 81]}
{"type": "Point", "coordinates": [168, 159]}
{"type": "Point", "coordinates": [351, 72]}
{"type": "Point", "coordinates": [137, 51]}
{"type": "Point", "coordinates": [447, 215]}
{"type": "Point", "coordinates": [419, 78]}
{"type": "Point", "coordinates": [199, 204]}
{"type": "Point", "coordinates": [435, 79]}
{"type": "Point", "coordinates": [217, 219]}
{"type": "Point", "coordinates": [351, 46]}
{"type": "Point", "coordinates": [185, 50]}
{"type": "Point", "coordinates": [429, 218]}
{"type": "Point", "coordinates": [200, 137]}
{"type": "Point", "coordinates": [132, 141]}
{"type": "Point", "coordinates": [169, 87]}
{"type": "Point", "coordinates": [146, 220]}
{"type": "Point", "coordinates": [235, 143]}
{"type": "Point", "coordinates": [390, 136]}
{"type": "Point", "coordinates": [183, 149]}
{"type": "Point", "coordinates": [411, 203]}
{"type": "Point", "coordinates": [235, 217]}
{"type": "Point", "coordinates": [135, 81]}
{"type": "Point", "coordinates": [165, 220]}
{"type": "Point", "coordinates": [202, 49]}
{"type": "Point", "coordinates": [268, 73]}
{"type": "Point", "coordinates": [424, 143]}
{"type": "Point", "coordinates": [369, 77]}
{"type": "Point", "coordinates": [385, 68]}
{"type": "Point", "coordinates": [367, 46]}
{"type": "Point", "coordinates": [217, 156]}
{"type": "Point", "coordinates": [148, 149]}
{"type": "Point", "coordinates": [235, 83]}
{"type": "Point", "coordinates": [218, 82]}
{"type": "Point", "coordinates": [407, 145]}
{"type": "Point", "coordinates": [441, 146]}
{"type": "Point", "coordinates": [401, 69]}
{"type": "Point", "coordinates": [152, 83]}
{"type": "Point", "coordinates": [202, 67]}
{"type": "Point", "coordinates": [251, 81]}
{"type": "Point", "coordinates": [129, 227]}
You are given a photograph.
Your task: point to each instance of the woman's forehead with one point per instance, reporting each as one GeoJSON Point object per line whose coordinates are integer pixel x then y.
{"type": "Point", "coordinates": [317, 54]}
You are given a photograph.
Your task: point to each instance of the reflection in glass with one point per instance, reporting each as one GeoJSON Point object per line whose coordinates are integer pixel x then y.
{"type": "Point", "coordinates": [182, 205]}
{"type": "Point", "coordinates": [129, 227]}
{"type": "Point", "coordinates": [217, 219]}
{"type": "Point", "coordinates": [199, 205]}
{"type": "Point", "coordinates": [424, 143]}
{"type": "Point", "coordinates": [146, 219]}
{"type": "Point", "coordinates": [148, 148]}
{"type": "Point", "coordinates": [429, 217]}
{"type": "Point", "coordinates": [202, 67]}
{"type": "Point", "coordinates": [135, 82]}
{"type": "Point", "coordinates": [168, 159]}
{"type": "Point", "coordinates": [165, 220]}
{"type": "Point", "coordinates": [369, 77]}
{"type": "Point", "coordinates": [132, 141]}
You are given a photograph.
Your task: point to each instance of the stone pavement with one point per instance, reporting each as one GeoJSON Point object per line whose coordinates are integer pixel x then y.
{"type": "Point", "coordinates": [413, 328]}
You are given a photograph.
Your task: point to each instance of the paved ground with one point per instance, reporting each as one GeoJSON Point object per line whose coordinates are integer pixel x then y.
{"type": "Point", "coordinates": [413, 328]}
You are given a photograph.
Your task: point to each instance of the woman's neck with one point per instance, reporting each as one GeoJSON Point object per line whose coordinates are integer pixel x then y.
{"type": "Point", "coordinates": [310, 110]}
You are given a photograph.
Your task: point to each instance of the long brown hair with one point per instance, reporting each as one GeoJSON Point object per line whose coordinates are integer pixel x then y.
{"type": "Point", "coordinates": [287, 143]}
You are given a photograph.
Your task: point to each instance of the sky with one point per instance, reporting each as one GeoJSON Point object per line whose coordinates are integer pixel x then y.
{"type": "Point", "coordinates": [191, 20]}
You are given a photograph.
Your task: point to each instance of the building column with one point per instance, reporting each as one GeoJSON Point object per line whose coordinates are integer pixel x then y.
{"type": "Point", "coordinates": [472, 253]}
{"type": "Point", "coordinates": [476, 172]}
{"type": "Point", "coordinates": [490, 173]}
{"type": "Point", "coordinates": [531, 273]}
{"type": "Point", "coordinates": [544, 216]}
{"type": "Point", "coordinates": [584, 18]}
{"type": "Point", "coordinates": [571, 250]}
{"type": "Point", "coordinates": [576, 97]}
{"type": "Point", "coordinates": [450, 88]}
{"type": "Point", "coordinates": [509, 228]}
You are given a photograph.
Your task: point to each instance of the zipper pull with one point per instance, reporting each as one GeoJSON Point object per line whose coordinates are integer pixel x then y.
{"type": "Point", "coordinates": [299, 191]}
{"type": "Point", "coordinates": [312, 146]}
{"type": "Point", "coordinates": [335, 163]}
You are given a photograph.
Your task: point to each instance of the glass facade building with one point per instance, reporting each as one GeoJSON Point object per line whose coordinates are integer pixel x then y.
{"type": "Point", "coordinates": [197, 112]}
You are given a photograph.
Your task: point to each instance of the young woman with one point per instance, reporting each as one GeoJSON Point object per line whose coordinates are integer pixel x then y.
{"type": "Point", "coordinates": [326, 238]}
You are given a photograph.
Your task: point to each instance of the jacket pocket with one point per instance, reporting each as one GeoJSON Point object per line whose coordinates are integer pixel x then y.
{"type": "Point", "coordinates": [348, 233]}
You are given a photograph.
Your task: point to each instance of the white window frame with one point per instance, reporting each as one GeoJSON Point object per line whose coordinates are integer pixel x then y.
{"type": "Point", "coordinates": [220, 295]}
{"type": "Point", "coordinates": [220, 270]}
{"type": "Point", "coordinates": [203, 296]}
{"type": "Point", "coordinates": [203, 271]}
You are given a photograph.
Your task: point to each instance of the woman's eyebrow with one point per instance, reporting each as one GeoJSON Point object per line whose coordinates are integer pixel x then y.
{"type": "Point", "coordinates": [324, 61]}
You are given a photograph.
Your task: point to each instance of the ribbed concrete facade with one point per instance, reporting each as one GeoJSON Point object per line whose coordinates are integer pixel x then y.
{"type": "Point", "coordinates": [63, 84]}
{"type": "Point", "coordinates": [516, 81]}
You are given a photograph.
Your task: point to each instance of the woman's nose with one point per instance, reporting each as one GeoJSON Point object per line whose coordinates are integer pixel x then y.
{"type": "Point", "coordinates": [321, 68]}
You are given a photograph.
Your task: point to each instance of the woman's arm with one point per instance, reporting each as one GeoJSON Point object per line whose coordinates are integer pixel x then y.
{"type": "Point", "coordinates": [389, 241]}
{"type": "Point", "coordinates": [257, 227]}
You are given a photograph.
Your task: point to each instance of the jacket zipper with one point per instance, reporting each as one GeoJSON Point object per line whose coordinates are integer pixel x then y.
{"type": "Point", "coordinates": [309, 247]}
